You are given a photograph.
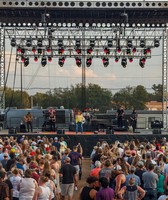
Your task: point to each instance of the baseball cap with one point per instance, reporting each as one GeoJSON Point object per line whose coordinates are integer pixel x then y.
{"type": "Point", "coordinates": [55, 138]}
{"type": "Point", "coordinates": [140, 164]}
{"type": "Point", "coordinates": [68, 159]}
{"type": "Point", "coordinates": [117, 167]}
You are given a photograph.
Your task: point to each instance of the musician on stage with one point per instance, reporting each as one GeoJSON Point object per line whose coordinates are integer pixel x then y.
{"type": "Point", "coordinates": [120, 116]}
{"type": "Point", "coordinates": [79, 119]}
{"type": "Point", "coordinates": [52, 118]}
{"type": "Point", "coordinates": [28, 120]}
{"type": "Point", "coordinates": [133, 119]}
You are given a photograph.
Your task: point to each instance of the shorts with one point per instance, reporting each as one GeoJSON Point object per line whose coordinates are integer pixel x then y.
{"type": "Point", "coordinates": [77, 168]}
{"type": "Point", "coordinates": [67, 189]}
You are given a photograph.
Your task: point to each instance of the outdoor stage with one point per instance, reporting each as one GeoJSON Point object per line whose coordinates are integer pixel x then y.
{"type": "Point", "coordinates": [90, 139]}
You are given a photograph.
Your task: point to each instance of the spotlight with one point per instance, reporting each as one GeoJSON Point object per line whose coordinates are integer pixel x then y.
{"type": "Point", "coordinates": [106, 50]}
{"type": "Point", "coordinates": [43, 61]}
{"type": "Point", "coordinates": [124, 62]}
{"type": "Point", "coordinates": [156, 43]}
{"type": "Point", "coordinates": [34, 50]}
{"type": "Point", "coordinates": [134, 50]}
{"type": "Point", "coordinates": [22, 58]}
{"type": "Point", "coordinates": [19, 50]}
{"type": "Point", "coordinates": [78, 43]}
{"type": "Point", "coordinates": [92, 43]}
{"type": "Point", "coordinates": [88, 62]}
{"type": "Point", "coordinates": [60, 43]}
{"type": "Point", "coordinates": [148, 50]}
{"type": "Point", "coordinates": [61, 50]}
{"type": "Point", "coordinates": [142, 43]}
{"type": "Point", "coordinates": [49, 58]}
{"type": "Point", "coordinates": [142, 62]}
{"type": "Point", "coordinates": [116, 59]}
{"type": "Point", "coordinates": [130, 60]}
{"type": "Point", "coordinates": [78, 61]}
{"type": "Point", "coordinates": [35, 59]}
{"type": "Point", "coordinates": [109, 43]}
{"type": "Point", "coordinates": [145, 51]}
{"type": "Point", "coordinates": [129, 43]}
{"type": "Point", "coordinates": [128, 51]}
{"type": "Point", "coordinates": [13, 42]}
{"type": "Point", "coordinates": [89, 51]}
{"type": "Point", "coordinates": [29, 42]}
{"type": "Point", "coordinates": [118, 49]}
{"type": "Point", "coordinates": [39, 51]}
{"type": "Point", "coordinates": [39, 42]}
{"type": "Point", "coordinates": [26, 61]}
{"type": "Point", "coordinates": [78, 50]}
{"type": "Point", "coordinates": [23, 50]}
{"type": "Point", "coordinates": [48, 49]}
{"type": "Point", "coordinates": [61, 61]}
{"type": "Point", "coordinates": [105, 61]}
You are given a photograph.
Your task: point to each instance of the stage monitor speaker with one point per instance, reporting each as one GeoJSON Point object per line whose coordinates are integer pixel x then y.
{"type": "Point", "coordinates": [156, 124]}
{"type": "Point", "coordinates": [12, 131]}
{"type": "Point", "coordinates": [60, 131]}
{"type": "Point", "coordinates": [156, 131]}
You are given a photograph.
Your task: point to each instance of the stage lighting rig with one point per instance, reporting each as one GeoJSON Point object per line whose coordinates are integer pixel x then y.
{"type": "Point", "coordinates": [60, 43]}
{"type": "Point", "coordinates": [89, 50]}
{"type": "Point", "coordinates": [35, 59]}
{"type": "Point", "coordinates": [156, 43]}
{"type": "Point", "coordinates": [110, 43]}
{"type": "Point", "coordinates": [129, 43]}
{"type": "Point", "coordinates": [92, 43]}
{"type": "Point", "coordinates": [106, 50]}
{"type": "Point", "coordinates": [78, 61]}
{"type": "Point", "coordinates": [61, 61]}
{"type": "Point", "coordinates": [49, 58]}
{"type": "Point", "coordinates": [142, 43]}
{"type": "Point", "coordinates": [43, 61]}
{"type": "Point", "coordinates": [124, 62]}
{"type": "Point", "coordinates": [105, 61]}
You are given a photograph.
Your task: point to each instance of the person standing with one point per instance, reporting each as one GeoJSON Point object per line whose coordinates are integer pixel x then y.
{"type": "Point", "coordinates": [79, 119]}
{"type": "Point", "coordinates": [52, 118]}
{"type": "Point", "coordinates": [119, 116]}
{"type": "Point", "coordinates": [133, 119]}
{"type": "Point", "coordinates": [68, 173]}
{"type": "Point", "coordinates": [28, 120]}
{"type": "Point", "coordinates": [150, 180]}
{"type": "Point", "coordinates": [4, 188]}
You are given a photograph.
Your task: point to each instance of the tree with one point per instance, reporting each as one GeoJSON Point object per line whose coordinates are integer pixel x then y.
{"type": "Point", "coordinates": [158, 93]}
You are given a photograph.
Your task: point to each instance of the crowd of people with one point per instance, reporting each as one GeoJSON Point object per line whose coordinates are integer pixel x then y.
{"type": "Point", "coordinates": [42, 168]}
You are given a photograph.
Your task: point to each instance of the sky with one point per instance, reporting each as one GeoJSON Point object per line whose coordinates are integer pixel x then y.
{"type": "Point", "coordinates": [114, 77]}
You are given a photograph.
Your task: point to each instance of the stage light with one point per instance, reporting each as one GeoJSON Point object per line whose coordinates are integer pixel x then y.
{"type": "Point", "coordinates": [109, 43]}
{"type": "Point", "coordinates": [34, 50]}
{"type": "Point", "coordinates": [129, 43]}
{"type": "Point", "coordinates": [78, 43]}
{"type": "Point", "coordinates": [148, 50]}
{"type": "Point", "coordinates": [134, 50]}
{"type": "Point", "coordinates": [39, 42]}
{"type": "Point", "coordinates": [78, 51]}
{"type": "Point", "coordinates": [60, 43]}
{"type": "Point", "coordinates": [88, 62]}
{"type": "Point", "coordinates": [105, 61]}
{"type": "Point", "coordinates": [35, 59]}
{"type": "Point", "coordinates": [116, 59]}
{"type": "Point", "coordinates": [23, 50]}
{"type": "Point", "coordinates": [19, 50]}
{"type": "Point", "coordinates": [48, 49]}
{"type": "Point", "coordinates": [130, 60]}
{"type": "Point", "coordinates": [39, 51]}
{"type": "Point", "coordinates": [128, 51]}
{"type": "Point", "coordinates": [13, 42]}
{"type": "Point", "coordinates": [106, 50]}
{"type": "Point", "coordinates": [142, 62]}
{"type": "Point", "coordinates": [61, 61]}
{"type": "Point", "coordinates": [22, 58]}
{"type": "Point", "coordinates": [124, 62]}
{"type": "Point", "coordinates": [43, 61]}
{"type": "Point", "coordinates": [78, 61]}
{"type": "Point", "coordinates": [29, 42]}
{"type": "Point", "coordinates": [26, 62]}
{"type": "Point", "coordinates": [49, 58]}
{"type": "Point", "coordinates": [156, 43]}
{"type": "Point", "coordinates": [142, 43]}
{"type": "Point", "coordinates": [61, 50]}
{"type": "Point", "coordinates": [92, 43]}
{"type": "Point", "coordinates": [118, 49]}
{"type": "Point", "coordinates": [145, 51]}
{"type": "Point", "coordinates": [89, 51]}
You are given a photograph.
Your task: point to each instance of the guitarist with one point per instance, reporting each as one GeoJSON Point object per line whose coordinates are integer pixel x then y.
{"type": "Point", "coordinates": [28, 120]}
{"type": "Point", "coordinates": [133, 118]}
{"type": "Point", "coordinates": [52, 118]}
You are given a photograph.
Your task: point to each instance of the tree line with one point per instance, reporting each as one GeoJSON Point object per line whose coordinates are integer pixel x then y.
{"type": "Point", "coordinates": [92, 95]}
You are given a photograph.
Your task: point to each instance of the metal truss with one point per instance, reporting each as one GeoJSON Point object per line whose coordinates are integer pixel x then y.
{"type": "Point", "coordinates": [118, 36]}
{"type": "Point", "coordinates": [164, 78]}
